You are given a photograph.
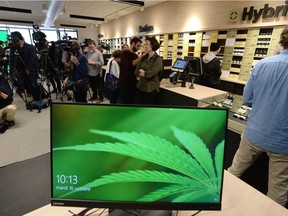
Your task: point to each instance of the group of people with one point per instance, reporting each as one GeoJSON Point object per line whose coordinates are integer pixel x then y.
{"type": "Point", "coordinates": [139, 74]}
{"type": "Point", "coordinates": [137, 82]}
{"type": "Point", "coordinates": [135, 76]}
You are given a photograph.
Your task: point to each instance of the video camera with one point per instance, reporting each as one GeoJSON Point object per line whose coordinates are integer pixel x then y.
{"type": "Point", "coordinates": [12, 41]}
{"type": "Point", "coordinates": [39, 38]}
{"type": "Point", "coordinates": [67, 45]}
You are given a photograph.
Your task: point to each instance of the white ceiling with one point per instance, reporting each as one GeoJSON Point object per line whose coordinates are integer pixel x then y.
{"type": "Point", "coordinates": [106, 9]}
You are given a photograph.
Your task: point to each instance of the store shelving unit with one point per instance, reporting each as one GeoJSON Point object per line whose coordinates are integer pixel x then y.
{"type": "Point", "coordinates": [241, 49]}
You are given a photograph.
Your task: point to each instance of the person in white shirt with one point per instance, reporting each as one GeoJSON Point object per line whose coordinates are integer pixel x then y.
{"type": "Point", "coordinates": [113, 69]}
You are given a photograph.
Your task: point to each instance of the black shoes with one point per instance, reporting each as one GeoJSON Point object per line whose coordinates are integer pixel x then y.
{"type": "Point", "coordinates": [6, 125]}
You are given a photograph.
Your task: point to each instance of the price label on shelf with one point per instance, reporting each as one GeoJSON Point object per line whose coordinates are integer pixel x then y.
{"type": "Point", "coordinates": [253, 33]}
{"type": "Point", "coordinates": [251, 42]}
{"type": "Point", "coordinates": [249, 52]}
{"type": "Point", "coordinates": [231, 33]}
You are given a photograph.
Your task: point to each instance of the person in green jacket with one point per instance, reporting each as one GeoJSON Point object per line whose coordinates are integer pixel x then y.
{"type": "Point", "coordinates": [147, 71]}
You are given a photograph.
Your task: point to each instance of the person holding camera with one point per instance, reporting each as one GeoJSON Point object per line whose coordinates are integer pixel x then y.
{"type": "Point", "coordinates": [79, 77]}
{"type": "Point", "coordinates": [7, 109]}
{"type": "Point", "coordinates": [23, 64]}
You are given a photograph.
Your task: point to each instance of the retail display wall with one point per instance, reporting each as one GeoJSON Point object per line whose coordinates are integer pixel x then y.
{"type": "Point", "coordinates": [241, 49]}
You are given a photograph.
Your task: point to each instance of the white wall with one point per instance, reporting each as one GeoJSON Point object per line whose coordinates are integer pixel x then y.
{"type": "Point", "coordinates": [187, 16]}
{"type": "Point", "coordinates": [87, 33]}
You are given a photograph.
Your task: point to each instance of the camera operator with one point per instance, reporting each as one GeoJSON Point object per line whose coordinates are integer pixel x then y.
{"type": "Point", "coordinates": [23, 64]}
{"type": "Point", "coordinates": [7, 109]}
{"type": "Point", "coordinates": [78, 79]}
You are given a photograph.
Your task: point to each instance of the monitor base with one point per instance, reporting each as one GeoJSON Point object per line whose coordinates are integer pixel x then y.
{"type": "Point", "coordinates": [128, 212]}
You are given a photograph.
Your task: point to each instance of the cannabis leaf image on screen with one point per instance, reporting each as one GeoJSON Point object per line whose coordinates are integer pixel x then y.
{"type": "Point", "coordinates": [188, 171]}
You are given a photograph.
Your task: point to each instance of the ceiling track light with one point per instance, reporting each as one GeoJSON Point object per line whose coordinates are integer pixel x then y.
{"type": "Point", "coordinates": [134, 3]}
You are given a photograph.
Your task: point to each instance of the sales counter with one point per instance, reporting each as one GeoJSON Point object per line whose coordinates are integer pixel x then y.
{"type": "Point", "coordinates": [200, 96]}
{"type": "Point", "coordinates": [238, 198]}
{"type": "Point", "coordinates": [104, 67]}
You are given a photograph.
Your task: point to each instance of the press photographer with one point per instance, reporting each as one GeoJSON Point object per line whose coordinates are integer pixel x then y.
{"type": "Point", "coordinates": [23, 65]}
{"type": "Point", "coordinates": [77, 79]}
{"type": "Point", "coordinates": [47, 61]}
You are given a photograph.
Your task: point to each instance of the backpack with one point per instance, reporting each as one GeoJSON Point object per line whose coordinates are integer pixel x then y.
{"type": "Point", "coordinates": [111, 81]}
{"type": "Point", "coordinates": [36, 105]}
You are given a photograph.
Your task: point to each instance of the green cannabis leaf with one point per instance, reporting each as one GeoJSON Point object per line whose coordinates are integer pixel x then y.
{"type": "Point", "coordinates": [188, 174]}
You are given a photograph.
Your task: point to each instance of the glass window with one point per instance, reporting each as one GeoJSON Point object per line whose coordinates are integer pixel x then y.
{"type": "Point", "coordinates": [3, 35]}
{"type": "Point", "coordinates": [72, 34]}
{"type": "Point", "coordinates": [50, 35]}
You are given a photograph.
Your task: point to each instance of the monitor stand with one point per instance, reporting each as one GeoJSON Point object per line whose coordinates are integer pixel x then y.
{"type": "Point", "coordinates": [128, 212]}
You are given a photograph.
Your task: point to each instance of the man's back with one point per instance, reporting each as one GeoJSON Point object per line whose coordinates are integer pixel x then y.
{"type": "Point", "coordinates": [267, 92]}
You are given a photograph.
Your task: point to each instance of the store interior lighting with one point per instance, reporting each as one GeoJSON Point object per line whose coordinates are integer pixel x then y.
{"type": "Point", "coordinates": [133, 3]}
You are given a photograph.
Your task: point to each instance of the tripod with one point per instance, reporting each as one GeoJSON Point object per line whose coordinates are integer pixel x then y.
{"type": "Point", "coordinates": [13, 80]}
{"type": "Point", "coordinates": [45, 71]}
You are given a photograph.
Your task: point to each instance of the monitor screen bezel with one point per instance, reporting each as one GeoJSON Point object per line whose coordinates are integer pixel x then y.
{"type": "Point", "coordinates": [178, 69]}
{"type": "Point", "coordinates": [134, 205]}
{"type": "Point", "coordinates": [200, 64]}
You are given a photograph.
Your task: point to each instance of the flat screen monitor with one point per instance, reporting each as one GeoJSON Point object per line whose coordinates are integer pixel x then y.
{"type": "Point", "coordinates": [179, 65]}
{"type": "Point", "coordinates": [194, 65]}
{"type": "Point", "coordinates": [137, 157]}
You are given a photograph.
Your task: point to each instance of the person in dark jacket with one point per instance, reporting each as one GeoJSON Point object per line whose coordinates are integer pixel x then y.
{"type": "Point", "coordinates": [211, 67]}
{"type": "Point", "coordinates": [23, 65]}
{"type": "Point", "coordinates": [79, 77]}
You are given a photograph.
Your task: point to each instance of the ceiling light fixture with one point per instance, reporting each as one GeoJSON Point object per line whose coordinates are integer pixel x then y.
{"type": "Point", "coordinates": [142, 8]}
{"type": "Point", "coordinates": [73, 26]}
{"type": "Point", "coordinates": [86, 17]}
{"type": "Point", "coordinates": [19, 10]}
{"type": "Point", "coordinates": [134, 3]}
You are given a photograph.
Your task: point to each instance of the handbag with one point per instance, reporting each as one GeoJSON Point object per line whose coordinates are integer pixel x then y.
{"type": "Point", "coordinates": [111, 81]}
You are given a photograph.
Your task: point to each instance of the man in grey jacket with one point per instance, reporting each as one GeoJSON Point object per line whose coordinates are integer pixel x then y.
{"type": "Point", "coordinates": [95, 62]}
